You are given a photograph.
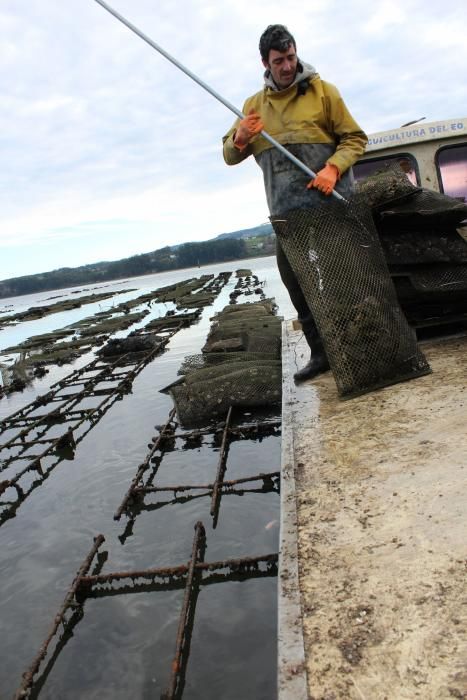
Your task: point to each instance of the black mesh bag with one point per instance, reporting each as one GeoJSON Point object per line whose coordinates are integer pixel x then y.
{"type": "Point", "coordinates": [388, 185]}
{"type": "Point", "coordinates": [404, 246]}
{"type": "Point", "coordinates": [336, 256]}
{"type": "Point", "coordinates": [424, 208]}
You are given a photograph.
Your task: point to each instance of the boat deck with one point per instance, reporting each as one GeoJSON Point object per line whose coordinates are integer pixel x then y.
{"type": "Point", "coordinates": [372, 580]}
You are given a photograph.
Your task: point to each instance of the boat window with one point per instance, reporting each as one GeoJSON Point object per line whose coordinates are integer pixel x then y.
{"type": "Point", "coordinates": [407, 162]}
{"type": "Point", "coordinates": [452, 169]}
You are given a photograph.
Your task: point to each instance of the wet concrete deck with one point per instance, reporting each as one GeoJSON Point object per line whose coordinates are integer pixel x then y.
{"type": "Point", "coordinates": [372, 581]}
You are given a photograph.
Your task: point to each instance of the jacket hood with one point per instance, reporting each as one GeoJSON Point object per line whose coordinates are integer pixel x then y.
{"type": "Point", "coordinates": [304, 71]}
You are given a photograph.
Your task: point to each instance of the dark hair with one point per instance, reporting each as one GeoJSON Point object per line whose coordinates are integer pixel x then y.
{"type": "Point", "coordinates": [277, 37]}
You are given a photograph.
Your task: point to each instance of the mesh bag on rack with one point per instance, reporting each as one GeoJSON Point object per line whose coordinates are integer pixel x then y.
{"type": "Point", "coordinates": [335, 253]}
{"type": "Point", "coordinates": [210, 373]}
{"type": "Point", "coordinates": [246, 374]}
{"type": "Point", "coordinates": [200, 401]}
{"type": "Point", "coordinates": [212, 359]}
{"type": "Point", "coordinates": [268, 306]}
{"type": "Point", "coordinates": [389, 192]}
{"type": "Point", "coordinates": [390, 184]}
{"type": "Point", "coordinates": [263, 324]}
{"type": "Point", "coordinates": [426, 208]}
{"type": "Point", "coordinates": [407, 246]}
{"type": "Point", "coordinates": [440, 278]}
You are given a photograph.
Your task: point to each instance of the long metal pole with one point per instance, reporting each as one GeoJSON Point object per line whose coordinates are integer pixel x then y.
{"type": "Point", "coordinates": [209, 89]}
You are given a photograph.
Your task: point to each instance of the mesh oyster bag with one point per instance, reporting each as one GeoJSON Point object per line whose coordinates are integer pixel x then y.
{"type": "Point", "coordinates": [390, 193]}
{"type": "Point", "coordinates": [425, 208]}
{"type": "Point", "coordinates": [207, 397]}
{"type": "Point", "coordinates": [336, 255]}
{"type": "Point", "coordinates": [239, 366]}
{"type": "Point", "coordinates": [387, 185]}
{"type": "Point", "coordinates": [259, 307]}
{"type": "Point", "coordinates": [404, 246]}
{"type": "Point", "coordinates": [440, 278]}
{"type": "Point", "coordinates": [212, 359]}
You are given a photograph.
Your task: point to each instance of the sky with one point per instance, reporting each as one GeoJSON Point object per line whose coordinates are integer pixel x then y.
{"type": "Point", "coordinates": [108, 150]}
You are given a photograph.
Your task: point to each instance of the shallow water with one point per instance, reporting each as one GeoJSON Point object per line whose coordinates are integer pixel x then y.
{"type": "Point", "coordinates": [124, 645]}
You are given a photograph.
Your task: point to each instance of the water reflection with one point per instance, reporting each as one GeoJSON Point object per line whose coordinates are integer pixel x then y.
{"type": "Point", "coordinates": [125, 650]}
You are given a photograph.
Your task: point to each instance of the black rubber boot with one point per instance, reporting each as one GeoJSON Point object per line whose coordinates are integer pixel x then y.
{"type": "Point", "coordinates": [318, 363]}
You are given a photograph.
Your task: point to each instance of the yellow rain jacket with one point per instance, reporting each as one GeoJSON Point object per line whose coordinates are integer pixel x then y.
{"type": "Point", "coordinates": [319, 116]}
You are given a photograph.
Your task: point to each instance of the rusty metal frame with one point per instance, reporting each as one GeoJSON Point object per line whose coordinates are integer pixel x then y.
{"type": "Point", "coordinates": [221, 466]}
{"type": "Point", "coordinates": [59, 619]}
{"type": "Point", "coordinates": [190, 576]}
{"type": "Point", "coordinates": [271, 483]}
{"type": "Point", "coordinates": [168, 433]}
{"type": "Point", "coordinates": [26, 422]}
{"type": "Point", "coordinates": [31, 430]}
{"type": "Point", "coordinates": [167, 326]}
{"type": "Point", "coordinates": [187, 614]}
{"type": "Point", "coordinates": [265, 477]}
{"type": "Point", "coordinates": [97, 585]}
{"type": "Point", "coordinates": [86, 417]}
{"type": "Point", "coordinates": [166, 429]}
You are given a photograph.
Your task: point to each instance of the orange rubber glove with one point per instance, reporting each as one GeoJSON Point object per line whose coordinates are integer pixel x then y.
{"type": "Point", "coordinates": [249, 126]}
{"type": "Point", "coordinates": [325, 179]}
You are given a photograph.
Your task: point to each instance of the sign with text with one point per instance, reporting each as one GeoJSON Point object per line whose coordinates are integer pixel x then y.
{"type": "Point", "coordinates": [416, 133]}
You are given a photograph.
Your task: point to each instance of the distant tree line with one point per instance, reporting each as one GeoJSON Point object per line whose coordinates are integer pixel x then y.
{"type": "Point", "coordinates": [168, 258]}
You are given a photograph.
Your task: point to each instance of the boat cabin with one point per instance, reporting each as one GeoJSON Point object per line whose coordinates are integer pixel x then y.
{"type": "Point", "coordinates": [433, 154]}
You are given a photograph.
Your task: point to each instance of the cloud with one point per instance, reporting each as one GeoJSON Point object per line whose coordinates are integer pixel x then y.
{"type": "Point", "coordinates": [98, 130]}
{"type": "Point", "coordinates": [210, 212]}
{"type": "Point", "coordinates": [384, 16]}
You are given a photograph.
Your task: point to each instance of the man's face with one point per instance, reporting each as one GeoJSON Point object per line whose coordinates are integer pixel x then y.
{"type": "Point", "coordinates": [283, 66]}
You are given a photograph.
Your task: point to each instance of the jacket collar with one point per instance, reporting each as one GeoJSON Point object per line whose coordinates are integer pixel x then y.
{"type": "Point", "coordinates": [304, 71]}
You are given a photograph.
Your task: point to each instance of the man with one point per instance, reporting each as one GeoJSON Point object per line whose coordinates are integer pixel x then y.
{"type": "Point", "coordinates": [308, 116]}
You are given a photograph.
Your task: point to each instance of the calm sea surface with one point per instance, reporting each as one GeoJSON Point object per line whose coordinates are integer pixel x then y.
{"type": "Point", "coordinates": [124, 645]}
